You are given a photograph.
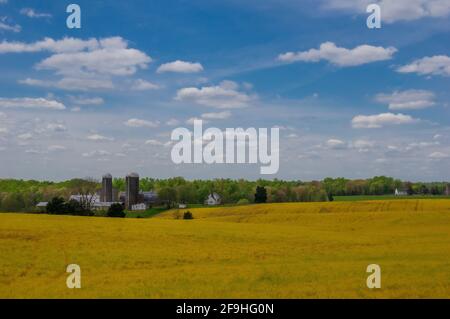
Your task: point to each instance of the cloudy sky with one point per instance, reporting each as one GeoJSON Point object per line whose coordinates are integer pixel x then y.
{"type": "Point", "coordinates": [349, 101]}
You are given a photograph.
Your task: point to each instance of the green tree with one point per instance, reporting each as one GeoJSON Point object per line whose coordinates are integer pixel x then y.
{"type": "Point", "coordinates": [56, 206]}
{"type": "Point", "coordinates": [261, 194]}
{"type": "Point", "coordinates": [168, 195]}
{"type": "Point", "coordinates": [116, 210]}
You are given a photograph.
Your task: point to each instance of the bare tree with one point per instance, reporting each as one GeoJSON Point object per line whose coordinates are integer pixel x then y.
{"type": "Point", "coordinates": [87, 189]}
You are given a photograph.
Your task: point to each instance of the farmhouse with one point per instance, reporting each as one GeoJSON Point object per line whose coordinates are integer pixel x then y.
{"type": "Point", "coordinates": [400, 192]}
{"type": "Point", "coordinates": [213, 199]}
{"type": "Point", "coordinates": [132, 198]}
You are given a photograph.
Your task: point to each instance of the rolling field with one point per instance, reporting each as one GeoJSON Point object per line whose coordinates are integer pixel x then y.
{"type": "Point", "coordinates": [301, 250]}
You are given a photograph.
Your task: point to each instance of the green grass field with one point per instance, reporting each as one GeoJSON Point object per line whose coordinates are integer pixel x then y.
{"type": "Point", "coordinates": [301, 250]}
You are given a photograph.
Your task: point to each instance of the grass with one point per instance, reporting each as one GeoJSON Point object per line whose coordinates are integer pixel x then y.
{"type": "Point", "coordinates": [386, 197]}
{"type": "Point", "coordinates": [295, 250]}
{"type": "Point", "coordinates": [145, 214]}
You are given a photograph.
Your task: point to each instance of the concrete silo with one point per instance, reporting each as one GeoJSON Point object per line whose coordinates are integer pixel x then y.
{"type": "Point", "coordinates": [107, 188]}
{"type": "Point", "coordinates": [131, 190]}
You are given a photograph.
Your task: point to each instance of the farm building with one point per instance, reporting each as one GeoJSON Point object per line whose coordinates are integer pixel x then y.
{"type": "Point", "coordinates": [213, 199]}
{"type": "Point", "coordinates": [400, 192]}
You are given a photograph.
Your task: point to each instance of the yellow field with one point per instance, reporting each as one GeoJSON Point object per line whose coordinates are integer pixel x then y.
{"type": "Point", "coordinates": [304, 250]}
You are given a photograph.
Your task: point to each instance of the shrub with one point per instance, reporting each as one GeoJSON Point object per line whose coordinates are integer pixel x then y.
{"type": "Point", "coordinates": [188, 215]}
{"type": "Point", "coordinates": [56, 206]}
{"type": "Point", "coordinates": [243, 201]}
{"type": "Point", "coordinates": [116, 210]}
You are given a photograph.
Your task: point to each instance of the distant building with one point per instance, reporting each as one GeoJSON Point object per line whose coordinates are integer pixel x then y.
{"type": "Point", "coordinates": [131, 190]}
{"type": "Point", "coordinates": [42, 206]}
{"type": "Point", "coordinates": [213, 199]}
{"type": "Point", "coordinates": [181, 206]}
{"type": "Point", "coordinates": [140, 206]}
{"type": "Point", "coordinates": [400, 192]}
{"type": "Point", "coordinates": [106, 194]}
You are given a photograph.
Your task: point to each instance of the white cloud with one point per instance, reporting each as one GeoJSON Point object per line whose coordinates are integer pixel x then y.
{"type": "Point", "coordinates": [142, 85]}
{"type": "Point", "coordinates": [31, 13]}
{"type": "Point", "coordinates": [72, 84]}
{"type": "Point", "coordinates": [3, 130]}
{"type": "Point", "coordinates": [25, 136]}
{"type": "Point", "coordinates": [51, 45]}
{"type": "Point", "coordinates": [180, 67]}
{"type": "Point", "coordinates": [111, 57]}
{"type": "Point", "coordinates": [154, 142]}
{"type": "Point", "coordinates": [407, 100]}
{"type": "Point", "coordinates": [435, 65]}
{"type": "Point", "coordinates": [31, 103]}
{"type": "Point", "coordinates": [216, 116]}
{"type": "Point", "coordinates": [88, 101]}
{"type": "Point", "coordinates": [5, 26]}
{"type": "Point", "coordinates": [173, 122]}
{"type": "Point", "coordinates": [83, 64]}
{"type": "Point", "coordinates": [363, 145]}
{"type": "Point", "coordinates": [75, 109]}
{"type": "Point", "coordinates": [98, 137]}
{"type": "Point", "coordinates": [335, 144]}
{"type": "Point", "coordinates": [96, 153]}
{"type": "Point", "coordinates": [396, 10]}
{"type": "Point", "coordinates": [223, 96]}
{"type": "Point", "coordinates": [141, 123]}
{"type": "Point", "coordinates": [191, 120]}
{"type": "Point", "coordinates": [56, 127]}
{"type": "Point", "coordinates": [381, 120]}
{"type": "Point", "coordinates": [328, 51]}
{"type": "Point", "coordinates": [438, 155]}
{"type": "Point", "coordinates": [55, 148]}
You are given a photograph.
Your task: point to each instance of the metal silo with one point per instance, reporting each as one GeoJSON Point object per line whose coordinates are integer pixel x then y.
{"type": "Point", "coordinates": [131, 189]}
{"type": "Point", "coordinates": [107, 188]}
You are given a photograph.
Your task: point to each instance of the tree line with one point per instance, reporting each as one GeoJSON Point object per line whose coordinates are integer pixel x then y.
{"type": "Point", "coordinates": [21, 195]}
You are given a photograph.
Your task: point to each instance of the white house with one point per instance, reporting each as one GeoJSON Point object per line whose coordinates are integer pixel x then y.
{"type": "Point", "coordinates": [400, 192]}
{"type": "Point", "coordinates": [141, 206]}
{"type": "Point", "coordinates": [213, 199]}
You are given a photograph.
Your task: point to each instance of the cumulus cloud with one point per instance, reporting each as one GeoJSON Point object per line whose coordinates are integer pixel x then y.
{"type": "Point", "coordinates": [363, 145]}
{"type": "Point", "coordinates": [31, 103]}
{"type": "Point", "coordinates": [142, 85]}
{"type": "Point", "coordinates": [191, 120]}
{"type": "Point", "coordinates": [5, 26]}
{"type": "Point", "coordinates": [154, 142]}
{"type": "Point", "coordinates": [56, 127]}
{"type": "Point", "coordinates": [56, 148]}
{"type": "Point", "coordinates": [224, 96]}
{"type": "Point", "coordinates": [173, 122]}
{"type": "Point", "coordinates": [87, 101]}
{"type": "Point", "coordinates": [25, 136]}
{"type": "Point", "coordinates": [216, 116]}
{"type": "Point", "coordinates": [180, 67]}
{"type": "Point", "coordinates": [96, 153]}
{"type": "Point", "coordinates": [438, 155]}
{"type": "Point", "coordinates": [407, 100]}
{"type": "Point", "coordinates": [328, 51]}
{"type": "Point", "coordinates": [381, 120]}
{"type": "Point", "coordinates": [335, 144]}
{"type": "Point", "coordinates": [72, 84]}
{"type": "Point", "coordinates": [141, 123]}
{"type": "Point", "coordinates": [83, 64]}
{"type": "Point", "coordinates": [435, 65]}
{"type": "Point", "coordinates": [31, 13]}
{"type": "Point", "coordinates": [98, 137]}
{"type": "Point", "coordinates": [395, 10]}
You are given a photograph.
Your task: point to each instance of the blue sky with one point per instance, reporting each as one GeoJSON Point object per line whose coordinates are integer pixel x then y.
{"type": "Point", "coordinates": [349, 101]}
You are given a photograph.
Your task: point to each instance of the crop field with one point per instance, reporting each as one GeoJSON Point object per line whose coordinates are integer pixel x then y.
{"type": "Point", "coordinates": [294, 250]}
